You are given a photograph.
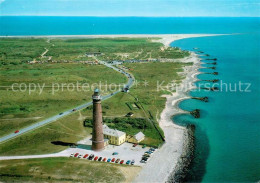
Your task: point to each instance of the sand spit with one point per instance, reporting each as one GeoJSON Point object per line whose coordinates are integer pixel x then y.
{"type": "Point", "coordinates": [166, 39]}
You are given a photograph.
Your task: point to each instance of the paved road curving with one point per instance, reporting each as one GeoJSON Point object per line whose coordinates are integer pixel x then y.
{"type": "Point", "coordinates": [34, 126]}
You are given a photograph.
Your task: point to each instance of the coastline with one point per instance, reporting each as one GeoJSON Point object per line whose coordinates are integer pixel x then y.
{"type": "Point", "coordinates": [167, 161]}
{"type": "Point", "coordinates": [166, 39]}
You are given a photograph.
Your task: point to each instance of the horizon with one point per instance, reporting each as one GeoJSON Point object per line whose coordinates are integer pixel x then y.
{"type": "Point", "coordinates": [131, 8]}
{"type": "Point", "coordinates": [129, 16]}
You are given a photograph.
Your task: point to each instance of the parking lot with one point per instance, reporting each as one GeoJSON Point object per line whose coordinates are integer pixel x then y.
{"type": "Point", "coordinates": [126, 151]}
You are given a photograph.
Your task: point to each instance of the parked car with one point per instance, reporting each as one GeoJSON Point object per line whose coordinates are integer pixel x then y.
{"type": "Point", "coordinates": [74, 109]}
{"type": "Point", "coordinates": [148, 152]}
{"type": "Point", "coordinates": [145, 158]}
{"type": "Point", "coordinates": [61, 113]}
{"type": "Point", "coordinates": [135, 145]}
{"type": "Point", "coordinates": [108, 160]}
{"type": "Point", "coordinates": [100, 158]}
{"type": "Point", "coordinates": [17, 131]}
{"type": "Point", "coordinates": [96, 158]}
{"type": "Point", "coordinates": [117, 160]}
{"type": "Point", "coordinates": [133, 162]}
{"type": "Point", "coordinates": [128, 162]}
{"type": "Point", "coordinates": [115, 153]}
{"type": "Point", "coordinates": [75, 155]}
{"type": "Point", "coordinates": [151, 149]}
{"type": "Point", "coordinates": [142, 161]}
{"type": "Point", "coordinates": [105, 159]}
{"type": "Point", "coordinates": [86, 155]}
{"type": "Point", "coordinates": [80, 156]}
{"type": "Point", "coordinates": [91, 157]}
{"type": "Point", "coordinates": [122, 161]}
{"type": "Point", "coordinates": [72, 154]}
{"type": "Point", "coordinates": [146, 155]}
{"type": "Point", "coordinates": [113, 160]}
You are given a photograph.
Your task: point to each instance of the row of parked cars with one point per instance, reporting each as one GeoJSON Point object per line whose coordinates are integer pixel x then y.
{"type": "Point", "coordinates": [96, 158]}
{"type": "Point", "coordinates": [147, 155]}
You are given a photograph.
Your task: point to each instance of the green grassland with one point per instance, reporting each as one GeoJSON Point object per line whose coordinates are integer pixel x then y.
{"type": "Point", "coordinates": [69, 129]}
{"type": "Point", "coordinates": [17, 51]}
{"type": "Point", "coordinates": [39, 141]}
{"type": "Point", "coordinates": [112, 49]}
{"type": "Point", "coordinates": [60, 170]}
{"type": "Point", "coordinates": [19, 109]}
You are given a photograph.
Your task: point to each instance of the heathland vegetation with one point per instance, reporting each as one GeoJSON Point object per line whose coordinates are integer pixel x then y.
{"type": "Point", "coordinates": [17, 51]}
{"type": "Point", "coordinates": [19, 109]}
{"type": "Point", "coordinates": [73, 170]}
{"type": "Point", "coordinates": [54, 89]}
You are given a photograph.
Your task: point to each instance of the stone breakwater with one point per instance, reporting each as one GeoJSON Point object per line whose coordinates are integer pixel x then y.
{"type": "Point", "coordinates": [184, 164]}
{"type": "Point", "coordinates": [182, 168]}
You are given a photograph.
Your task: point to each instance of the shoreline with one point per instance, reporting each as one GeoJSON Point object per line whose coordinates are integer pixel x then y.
{"type": "Point", "coordinates": [167, 162]}
{"type": "Point", "coordinates": [184, 164]}
{"type": "Point", "coordinates": [166, 39]}
{"type": "Point", "coordinates": [181, 168]}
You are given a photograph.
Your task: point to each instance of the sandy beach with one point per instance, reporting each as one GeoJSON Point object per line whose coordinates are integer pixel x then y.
{"type": "Point", "coordinates": [164, 161]}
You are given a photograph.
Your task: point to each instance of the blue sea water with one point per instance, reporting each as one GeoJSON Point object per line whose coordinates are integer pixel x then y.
{"type": "Point", "coordinates": [27, 25]}
{"type": "Point", "coordinates": [228, 132]}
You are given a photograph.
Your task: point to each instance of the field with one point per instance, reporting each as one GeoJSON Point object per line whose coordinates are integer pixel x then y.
{"type": "Point", "coordinates": [21, 108]}
{"type": "Point", "coordinates": [111, 49]}
{"type": "Point", "coordinates": [45, 140]}
{"type": "Point", "coordinates": [63, 170]}
{"type": "Point", "coordinates": [17, 51]}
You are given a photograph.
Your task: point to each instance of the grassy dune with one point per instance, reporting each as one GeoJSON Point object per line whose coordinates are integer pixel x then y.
{"type": "Point", "coordinates": [112, 49]}
{"type": "Point", "coordinates": [16, 51]}
{"type": "Point", "coordinates": [19, 109]}
{"type": "Point", "coordinates": [22, 50]}
{"type": "Point", "coordinates": [69, 129]}
{"type": "Point", "coordinates": [62, 170]}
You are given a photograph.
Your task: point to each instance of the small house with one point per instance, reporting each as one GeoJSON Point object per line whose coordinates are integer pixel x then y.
{"type": "Point", "coordinates": [137, 138]}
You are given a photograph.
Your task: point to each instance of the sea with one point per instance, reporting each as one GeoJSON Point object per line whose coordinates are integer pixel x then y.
{"type": "Point", "coordinates": [227, 134]}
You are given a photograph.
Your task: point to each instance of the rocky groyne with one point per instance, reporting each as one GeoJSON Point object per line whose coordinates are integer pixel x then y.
{"type": "Point", "coordinates": [187, 156]}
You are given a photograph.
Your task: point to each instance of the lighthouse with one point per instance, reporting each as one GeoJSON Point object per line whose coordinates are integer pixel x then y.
{"type": "Point", "coordinates": [97, 131]}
